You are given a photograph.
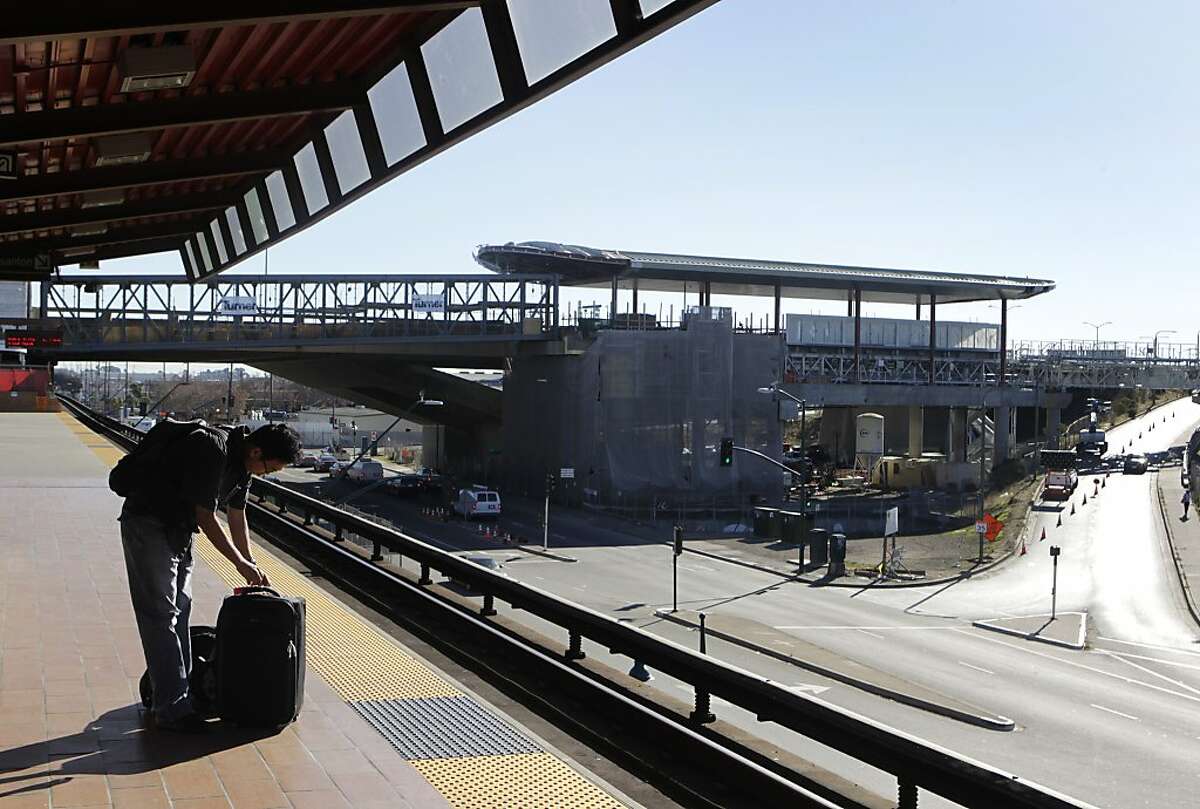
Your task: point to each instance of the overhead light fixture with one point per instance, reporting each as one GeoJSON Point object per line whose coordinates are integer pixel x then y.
{"type": "Point", "coordinates": [72, 252]}
{"type": "Point", "coordinates": [121, 150]}
{"type": "Point", "coordinates": [94, 229]}
{"type": "Point", "coordinates": [169, 67]}
{"type": "Point", "coordinates": [101, 199]}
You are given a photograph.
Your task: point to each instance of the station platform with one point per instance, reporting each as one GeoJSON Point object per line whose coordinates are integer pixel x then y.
{"type": "Point", "coordinates": [381, 727]}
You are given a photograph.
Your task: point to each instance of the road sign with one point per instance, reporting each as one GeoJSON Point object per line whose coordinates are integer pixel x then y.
{"type": "Point", "coordinates": [8, 164]}
{"type": "Point", "coordinates": [891, 525]}
{"type": "Point", "coordinates": [980, 527]}
{"type": "Point", "coordinates": [567, 473]}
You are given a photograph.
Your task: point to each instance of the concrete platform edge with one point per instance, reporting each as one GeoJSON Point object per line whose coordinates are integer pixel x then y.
{"type": "Point", "coordinates": [996, 722]}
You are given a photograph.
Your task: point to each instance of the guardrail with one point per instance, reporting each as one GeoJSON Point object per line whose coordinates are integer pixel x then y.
{"type": "Point", "coordinates": [914, 762]}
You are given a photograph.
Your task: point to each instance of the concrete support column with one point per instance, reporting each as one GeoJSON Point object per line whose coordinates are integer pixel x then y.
{"type": "Point", "coordinates": [612, 309]}
{"type": "Point", "coordinates": [707, 294]}
{"type": "Point", "coordinates": [918, 307]}
{"type": "Point", "coordinates": [635, 297]}
{"type": "Point", "coordinates": [956, 435]}
{"type": "Point", "coordinates": [778, 302]}
{"type": "Point", "coordinates": [916, 431]}
{"type": "Point", "coordinates": [1053, 426]}
{"type": "Point", "coordinates": [1002, 425]}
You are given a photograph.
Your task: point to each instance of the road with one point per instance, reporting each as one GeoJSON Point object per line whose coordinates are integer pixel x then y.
{"type": "Point", "coordinates": [1114, 725]}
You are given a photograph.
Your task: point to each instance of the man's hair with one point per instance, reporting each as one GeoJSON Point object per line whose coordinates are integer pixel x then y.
{"type": "Point", "coordinates": [278, 442]}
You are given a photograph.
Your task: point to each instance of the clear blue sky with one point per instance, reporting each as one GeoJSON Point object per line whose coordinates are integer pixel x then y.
{"type": "Point", "coordinates": [1050, 139]}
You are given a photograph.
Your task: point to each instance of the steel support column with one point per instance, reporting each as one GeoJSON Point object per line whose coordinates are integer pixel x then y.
{"type": "Point", "coordinates": [1003, 340]}
{"type": "Point", "coordinates": [856, 304]}
{"type": "Point", "coordinates": [778, 301]}
{"type": "Point", "coordinates": [612, 307]}
{"type": "Point", "coordinates": [932, 335]}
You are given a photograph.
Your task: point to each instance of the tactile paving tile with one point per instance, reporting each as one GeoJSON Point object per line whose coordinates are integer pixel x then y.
{"type": "Point", "coordinates": [443, 727]}
{"type": "Point", "coordinates": [528, 780]}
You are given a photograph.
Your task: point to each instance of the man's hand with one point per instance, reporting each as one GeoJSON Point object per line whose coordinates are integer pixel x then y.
{"type": "Point", "coordinates": [253, 575]}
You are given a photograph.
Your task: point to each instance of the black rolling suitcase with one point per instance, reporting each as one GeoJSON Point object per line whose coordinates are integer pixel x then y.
{"type": "Point", "coordinates": [260, 658]}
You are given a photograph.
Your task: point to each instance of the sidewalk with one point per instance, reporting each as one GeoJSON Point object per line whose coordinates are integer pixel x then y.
{"type": "Point", "coordinates": [1183, 536]}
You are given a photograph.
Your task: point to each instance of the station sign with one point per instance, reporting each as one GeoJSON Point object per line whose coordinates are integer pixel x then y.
{"type": "Point", "coordinates": [237, 305]}
{"type": "Point", "coordinates": [429, 304]}
{"type": "Point", "coordinates": [27, 262]}
{"type": "Point", "coordinates": [33, 339]}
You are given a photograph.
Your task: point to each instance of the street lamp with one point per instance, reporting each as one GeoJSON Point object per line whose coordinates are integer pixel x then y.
{"type": "Point", "coordinates": [775, 391]}
{"type": "Point", "coordinates": [1154, 351]}
{"type": "Point", "coordinates": [421, 401]}
{"type": "Point", "coordinates": [1097, 327]}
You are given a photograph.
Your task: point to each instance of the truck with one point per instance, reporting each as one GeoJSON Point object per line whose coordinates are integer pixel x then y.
{"type": "Point", "coordinates": [1061, 476]}
{"type": "Point", "coordinates": [477, 502]}
{"type": "Point", "coordinates": [1092, 442]}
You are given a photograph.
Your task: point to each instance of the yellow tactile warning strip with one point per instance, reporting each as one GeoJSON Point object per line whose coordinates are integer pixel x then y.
{"type": "Point", "coordinates": [362, 663]}
{"type": "Point", "coordinates": [356, 659]}
{"type": "Point", "coordinates": [524, 780]}
{"type": "Point", "coordinates": [105, 451]}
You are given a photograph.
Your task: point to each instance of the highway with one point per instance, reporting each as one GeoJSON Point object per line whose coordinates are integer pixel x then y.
{"type": "Point", "coordinates": [1114, 725]}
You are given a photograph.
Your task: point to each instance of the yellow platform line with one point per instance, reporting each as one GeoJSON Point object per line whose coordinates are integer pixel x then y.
{"type": "Point", "coordinates": [100, 447]}
{"type": "Point", "coordinates": [533, 780]}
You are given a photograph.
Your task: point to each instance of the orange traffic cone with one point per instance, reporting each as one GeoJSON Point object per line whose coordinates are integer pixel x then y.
{"type": "Point", "coordinates": [1103, 482]}
{"type": "Point", "coordinates": [1073, 508]}
{"type": "Point", "coordinates": [1085, 498]}
{"type": "Point", "coordinates": [1059, 523]}
{"type": "Point", "coordinates": [1043, 539]}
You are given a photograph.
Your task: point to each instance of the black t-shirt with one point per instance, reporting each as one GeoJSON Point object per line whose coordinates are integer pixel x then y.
{"type": "Point", "coordinates": [204, 468]}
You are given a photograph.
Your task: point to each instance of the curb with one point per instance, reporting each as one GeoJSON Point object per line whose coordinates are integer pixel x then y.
{"type": "Point", "coordinates": [851, 584]}
{"type": "Point", "coordinates": [1188, 597]}
{"type": "Point", "coordinates": [540, 552]}
{"type": "Point", "coordinates": [997, 722]}
{"type": "Point", "coordinates": [1078, 645]}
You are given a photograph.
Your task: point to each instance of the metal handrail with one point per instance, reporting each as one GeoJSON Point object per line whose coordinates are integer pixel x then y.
{"type": "Point", "coordinates": [914, 761]}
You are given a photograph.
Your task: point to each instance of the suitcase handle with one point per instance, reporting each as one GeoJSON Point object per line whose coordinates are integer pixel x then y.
{"type": "Point", "coordinates": [241, 591]}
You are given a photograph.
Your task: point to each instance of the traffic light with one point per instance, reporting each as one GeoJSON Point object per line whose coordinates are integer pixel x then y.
{"type": "Point", "coordinates": [549, 482]}
{"type": "Point", "coordinates": [678, 540]}
{"type": "Point", "coordinates": [726, 452]}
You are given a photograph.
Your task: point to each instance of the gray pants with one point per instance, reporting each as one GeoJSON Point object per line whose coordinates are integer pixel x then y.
{"type": "Point", "coordinates": [160, 586]}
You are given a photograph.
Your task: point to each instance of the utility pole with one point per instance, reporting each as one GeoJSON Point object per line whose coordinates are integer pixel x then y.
{"type": "Point", "coordinates": [678, 536]}
{"type": "Point", "coordinates": [229, 398]}
{"type": "Point", "coordinates": [125, 393]}
{"type": "Point", "coordinates": [546, 513]}
{"type": "Point", "coordinates": [1054, 553]}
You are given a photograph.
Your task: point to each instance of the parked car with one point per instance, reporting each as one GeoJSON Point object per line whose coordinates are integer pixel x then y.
{"type": "Point", "coordinates": [306, 460]}
{"type": "Point", "coordinates": [477, 502]}
{"type": "Point", "coordinates": [484, 561]}
{"type": "Point", "coordinates": [365, 471]}
{"type": "Point", "coordinates": [324, 462]}
{"type": "Point", "coordinates": [1135, 465]}
{"type": "Point", "coordinates": [405, 486]}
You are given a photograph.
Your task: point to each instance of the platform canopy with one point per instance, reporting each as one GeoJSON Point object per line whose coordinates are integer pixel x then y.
{"type": "Point", "coordinates": [214, 129]}
{"type": "Point", "coordinates": [666, 272]}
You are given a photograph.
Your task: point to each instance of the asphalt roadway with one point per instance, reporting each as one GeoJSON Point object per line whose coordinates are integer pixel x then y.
{"type": "Point", "coordinates": [1116, 725]}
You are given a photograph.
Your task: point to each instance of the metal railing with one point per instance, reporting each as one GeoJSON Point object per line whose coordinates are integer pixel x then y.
{"type": "Point", "coordinates": [167, 310]}
{"type": "Point", "coordinates": [914, 762]}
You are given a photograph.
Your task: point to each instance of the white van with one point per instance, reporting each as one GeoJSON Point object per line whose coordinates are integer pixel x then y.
{"type": "Point", "coordinates": [476, 502]}
{"type": "Point", "coordinates": [365, 472]}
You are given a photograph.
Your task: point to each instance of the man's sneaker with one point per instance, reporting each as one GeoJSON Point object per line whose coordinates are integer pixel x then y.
{"type": "Point", "coordinates": [188, 723]}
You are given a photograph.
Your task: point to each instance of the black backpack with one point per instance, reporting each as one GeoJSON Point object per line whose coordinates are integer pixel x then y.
{"type": "Point", "coordinates": [141, 467]}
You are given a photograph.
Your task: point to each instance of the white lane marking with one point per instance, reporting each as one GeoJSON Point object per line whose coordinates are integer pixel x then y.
{"type": "Point", "coordinates": [1151, 686]}
{"type": "Point", "coordinates": [805, 688]}
{"type": "Point", "coordinates": [699, 569]}
{"type": "Point", "coordinates": [540, 578]}
{"type": "Point", "coordinates": [864, 627]}
{"type": "Point", "coordinates": [1164, 661]}
{"type": "Point", "coordinates": [1152, 672]}
{"type": "Point", "coordinates": [977, 668]}
{"type": "Point", "coordinates": [1118, 713]}
{"type": "Point", "coordinates": [872, 634]}
{"type": "Point", "coordinates": [1174, 649]}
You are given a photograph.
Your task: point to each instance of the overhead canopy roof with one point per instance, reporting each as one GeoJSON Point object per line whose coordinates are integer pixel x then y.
{"type": "Point", "coordinates": [666, 272]}
{"type": "Point", "coordinates": [216, 128]}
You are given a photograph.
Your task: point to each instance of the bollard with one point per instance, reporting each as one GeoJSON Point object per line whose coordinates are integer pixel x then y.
{"type": "Point", "coordinates": [376, 552]}
{"type": "Point", "coordinates": [703, 714]}
{"type": "Point", "coordinates": [337, 533]}
{"type": "Point", "coordinates": [575, 649]}
{"type": "Point", "coordinates": [640, 672]}
{"type": "Point", "coordinates": [487, 609]}
{"type": "Point", "coordinates": [424, 575]}
{"type": "Point", "coordinates": [308, 517]}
